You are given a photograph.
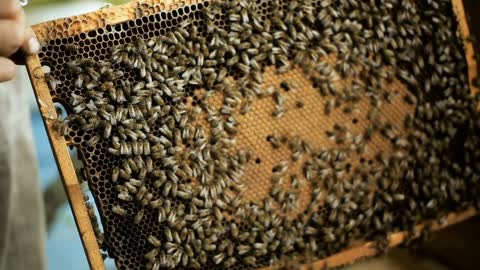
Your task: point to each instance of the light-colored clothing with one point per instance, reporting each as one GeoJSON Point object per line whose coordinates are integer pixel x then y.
{"type": "Point", "coordinates": [22, 219]}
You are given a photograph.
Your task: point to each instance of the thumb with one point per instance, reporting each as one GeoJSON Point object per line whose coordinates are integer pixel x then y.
{"type": "Point", "coordinates": [30, 46]}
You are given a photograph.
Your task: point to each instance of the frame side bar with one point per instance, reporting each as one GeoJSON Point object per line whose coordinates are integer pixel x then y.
{"type": "Point", "coordinates": [65, 166]}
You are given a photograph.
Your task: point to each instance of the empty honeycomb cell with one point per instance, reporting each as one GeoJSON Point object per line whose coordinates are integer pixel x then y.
{"type": "Point", "coordinates": [92, 172]}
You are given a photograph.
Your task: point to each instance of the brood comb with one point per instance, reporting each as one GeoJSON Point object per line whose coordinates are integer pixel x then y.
{"type": "Point", "coordinates": [246, 134]}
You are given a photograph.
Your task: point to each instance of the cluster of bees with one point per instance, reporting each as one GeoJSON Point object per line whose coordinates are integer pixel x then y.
{"type": "Point", "coordinates": [185, 177]}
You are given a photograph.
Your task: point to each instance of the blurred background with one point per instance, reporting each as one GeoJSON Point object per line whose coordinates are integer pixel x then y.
{"type": "Point", "coordinates": [453, 248]}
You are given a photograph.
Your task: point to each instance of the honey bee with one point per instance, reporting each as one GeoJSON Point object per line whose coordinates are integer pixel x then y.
{"type": "Point", "coordinates": [93, 141]}
{"type": "Point", "coordinates": [107, 130]}
{"type": "Point", "coordinates": [125, 197]}
{"type": "Point", "coordinates": [278, 112]}
{"type": "Point", "coordinates": [52, 82]}
{"type": "Point", "coordinates": [60, 125]}
{"type": "Point", "coordinates": [229, 262]}
{"type": "Point", "coordinates": [115, 173]}
{"type": "Point", "coordinates": [138, 217]}
{"type": "Point", "coordinates": [119, 210]}
{"type": "Point", "coordinates": [72, 48]}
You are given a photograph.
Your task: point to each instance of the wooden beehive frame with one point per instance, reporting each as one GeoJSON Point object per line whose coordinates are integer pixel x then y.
{"type": "Point", "coordinates": [114, 15]}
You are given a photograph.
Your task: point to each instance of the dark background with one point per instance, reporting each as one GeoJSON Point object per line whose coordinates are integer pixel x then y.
{"type": "Point", "coordinates": [472, 8]}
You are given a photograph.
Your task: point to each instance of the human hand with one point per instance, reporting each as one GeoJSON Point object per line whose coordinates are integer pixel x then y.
{"type": "Point", "coordinates": [15, 35]}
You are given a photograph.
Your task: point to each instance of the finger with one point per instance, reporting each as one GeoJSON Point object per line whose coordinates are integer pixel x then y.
{"type": "Point", "coordinates": [30, 43]}
{"type": "Point", "coordinates": [30, 46]}
{"type": "Point", "coordinates": [12, 36]}
{"type": "Point", "coordinates": [7, 69]}
{"type": "Point", "coordinates": [10, 9]}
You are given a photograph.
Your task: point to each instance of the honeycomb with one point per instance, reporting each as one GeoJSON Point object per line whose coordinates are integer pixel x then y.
{"type": "Point", "coordinates": [243, 134]}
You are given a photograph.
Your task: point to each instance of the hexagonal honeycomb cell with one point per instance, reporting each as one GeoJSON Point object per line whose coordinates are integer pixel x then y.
{"type": "Point", "coordinates": [243, 134]}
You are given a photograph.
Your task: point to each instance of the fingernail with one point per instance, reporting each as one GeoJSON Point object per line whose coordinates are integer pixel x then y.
{"type": "Point", "coordinates": [33, 45]}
